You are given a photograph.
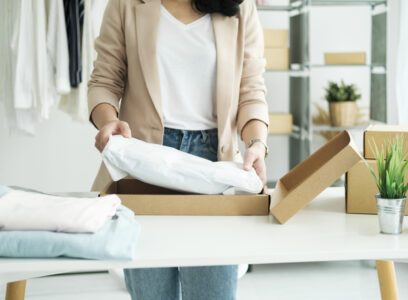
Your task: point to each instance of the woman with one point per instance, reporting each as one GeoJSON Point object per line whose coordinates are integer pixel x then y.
{"type": "Point", "coordinates": [189, 76]}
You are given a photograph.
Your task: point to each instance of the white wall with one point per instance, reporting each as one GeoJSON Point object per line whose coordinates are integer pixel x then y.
{"type": "Point", "coordinates": [61, 156]}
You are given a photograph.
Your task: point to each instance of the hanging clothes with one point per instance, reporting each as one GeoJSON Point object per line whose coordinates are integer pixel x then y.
{"type": "Point", "coordinates": [74, 14]}
{"type": "Point", "coordinates": [34, 61]}
{"type": "Point", "coordinates": [76, 103]}
{"type": "Point", "coordinates": [24, 93]}
{"type": "Point", "coordinates": [57, 49]}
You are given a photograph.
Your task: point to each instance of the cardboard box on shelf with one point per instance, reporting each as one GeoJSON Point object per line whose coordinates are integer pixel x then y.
{"type": "Point", "coordinates": [379, 134]}
{"type": "Point", "coordinates": [277, 58]}
{"type": "Point", "coordinates": [275, 38]}
{"type": "Point", "coordinates": [345, 58]}
{"type": "Point", "coordinates": [361, 189]}
{"type": "Point", "coordinates": [280, 123]}
{"type": "Point", "coordinates": [147, 199]}
{"type": "Point", "coordinates": [308, 179]}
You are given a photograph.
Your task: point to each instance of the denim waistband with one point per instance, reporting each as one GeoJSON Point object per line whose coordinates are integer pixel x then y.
{"type": "Point", "coordinates": [183, 131]}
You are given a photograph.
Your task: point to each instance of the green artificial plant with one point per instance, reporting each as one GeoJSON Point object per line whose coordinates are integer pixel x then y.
{"type": "Point", "coordinates": [342, 93]}
{"type": "Point", "coordinates": [392, 166]}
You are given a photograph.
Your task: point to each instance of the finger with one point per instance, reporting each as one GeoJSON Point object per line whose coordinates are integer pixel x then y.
{"type": "Point", "coordinates": [260, 169]}
{"type": "Point", "coordinates": [124, 129]}
{"type": "Point", "coordinates": [103, 139]}
{"type": "Point", "coordinates": [98, 146]}
{"type": "Point", "coordinates": [249, 160]}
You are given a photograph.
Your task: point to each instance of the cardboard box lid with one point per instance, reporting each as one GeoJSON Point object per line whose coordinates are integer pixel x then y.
{"type": "Point", "coordinates": [379, 134]}
{"type": "Point", "coordinates": [308, 179]}
{"type": "Point", "coordinates": [147, 199]}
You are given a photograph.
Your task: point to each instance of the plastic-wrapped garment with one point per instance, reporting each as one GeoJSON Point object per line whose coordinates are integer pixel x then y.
{"type": "Point", "coordinates": [167, 167]}
{"type": "Point", "coordinates": [117, 240]}
{"type": "Point", "coordinates": [21, 210]}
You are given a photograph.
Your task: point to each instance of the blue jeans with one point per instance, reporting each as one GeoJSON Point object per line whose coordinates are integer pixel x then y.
{"type": "Point", "coordinates": [192, 283]}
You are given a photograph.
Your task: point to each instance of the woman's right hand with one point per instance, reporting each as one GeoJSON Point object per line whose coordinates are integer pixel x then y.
{"type": "Point", "coordinates": [111, 128]}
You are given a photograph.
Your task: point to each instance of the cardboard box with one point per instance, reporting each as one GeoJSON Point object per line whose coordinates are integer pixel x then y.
{"type": "Point", "coordinates": [361, 189]}
{"type": "Point", "coordinates": [280, 123]}
{"type": "Point", "coordinates": [379, 134]}
{"type": "Point", "coordinates": [345, 58]}
{"type": "Point", "coordinates": [308, 179]}
{"type": "Point", "coordinates": [147, 199]}
{"type": "Point", "coordinates": [275, 38]}
{"type": "Point", "coordinates": [277, 58]}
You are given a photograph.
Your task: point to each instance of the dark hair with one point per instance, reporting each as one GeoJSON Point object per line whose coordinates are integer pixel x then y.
{"type": "Point", "coordinates": [228, 8]}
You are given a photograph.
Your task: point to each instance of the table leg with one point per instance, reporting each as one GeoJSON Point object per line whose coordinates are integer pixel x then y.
{"type": "Point", "coordinates": [16, 290]}
{"type": "Point", "coordinates": [387, 280]}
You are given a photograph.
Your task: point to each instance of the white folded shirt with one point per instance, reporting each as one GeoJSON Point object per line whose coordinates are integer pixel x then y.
{"type": "Point", "coordinates": [171, 168]}
{"type": "Point", "coordinates": [32, 211]}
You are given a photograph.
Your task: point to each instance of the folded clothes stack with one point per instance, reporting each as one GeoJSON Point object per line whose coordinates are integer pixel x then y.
{"type": "Point", "coordinates": [41, 225]}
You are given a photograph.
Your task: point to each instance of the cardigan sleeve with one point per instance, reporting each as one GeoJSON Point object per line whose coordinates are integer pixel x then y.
{"type": "Point", "coordinates": [252, 103]}
{"type": "Point", "coordinates": [108, 77]}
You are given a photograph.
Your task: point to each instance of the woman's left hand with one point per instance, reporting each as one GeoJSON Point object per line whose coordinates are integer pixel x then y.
{"type": "Point", "coordinates": [255, 157]}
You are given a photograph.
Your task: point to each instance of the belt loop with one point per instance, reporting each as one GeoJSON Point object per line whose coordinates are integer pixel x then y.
{"type": "Point", "coordinates": [204, 136]}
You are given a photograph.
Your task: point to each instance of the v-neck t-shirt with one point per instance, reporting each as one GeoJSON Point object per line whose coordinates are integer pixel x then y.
{"type": "Point", "coordinates": [186, 57]}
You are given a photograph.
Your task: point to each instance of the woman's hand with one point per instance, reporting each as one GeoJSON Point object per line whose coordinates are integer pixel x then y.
{"type": "Point", "coordinates": [255, 157]}
{"type": "Point", "coordinates": [111, 128]}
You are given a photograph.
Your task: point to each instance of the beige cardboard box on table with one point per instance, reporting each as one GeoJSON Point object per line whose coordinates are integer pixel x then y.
{"type": "Point", "coordinates": [308, 179]}
{"type": "Point", "coordinates": [345, 58]}
{"type": "Point", "coordinates": [280, 123]}
{"type": "Point", "coordinates": [379, 134]}
{"type": "Point", "coordinates": [293, 191]}
{"type": "Point", "coordinates": [361, 189]}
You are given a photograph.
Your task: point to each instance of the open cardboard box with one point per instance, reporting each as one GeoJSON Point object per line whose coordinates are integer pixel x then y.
{"type": "Point", "coordinates": [379, 134]}
{"type": "Point", "coordinates": [147, 199]}
{"type": "Point", "coordinates": [293, 191]}
{"type": "Point", "coordinates": [308, 179]}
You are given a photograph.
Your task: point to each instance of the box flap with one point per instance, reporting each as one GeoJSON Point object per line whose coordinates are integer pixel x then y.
{"type": "Point", "coordinates": [387, 128]}
{"type": "Point", "coordinates": [308, 179]}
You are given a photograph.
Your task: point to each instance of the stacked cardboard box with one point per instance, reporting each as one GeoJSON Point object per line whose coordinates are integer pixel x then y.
{"type": "Point", "coordinates": [360, 185]}
{"type": "Point", "coordinates": [276, 49]}
{"type": "Point", "coordinates": [345, 58]}
{"type": "Point", "coordinates": [280, 123]}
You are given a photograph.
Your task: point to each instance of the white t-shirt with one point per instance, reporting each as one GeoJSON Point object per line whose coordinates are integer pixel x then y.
{"type": "Point", "coordinates": [186, 57]}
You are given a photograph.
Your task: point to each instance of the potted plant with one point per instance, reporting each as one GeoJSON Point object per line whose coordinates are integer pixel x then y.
{"type": "Point", "coordinates": [391, 166]}
{"type": "Point", "coordinates": [342, 103]}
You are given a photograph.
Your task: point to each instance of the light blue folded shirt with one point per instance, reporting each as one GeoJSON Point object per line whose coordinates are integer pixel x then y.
{"type": "Point", "coordinates": [4, 190]}
{"type": "Point", "coordinates": [116, 240]}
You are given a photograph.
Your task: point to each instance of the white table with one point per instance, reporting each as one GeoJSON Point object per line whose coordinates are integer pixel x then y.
{"type": "Point", "coordinates": [320, 232]}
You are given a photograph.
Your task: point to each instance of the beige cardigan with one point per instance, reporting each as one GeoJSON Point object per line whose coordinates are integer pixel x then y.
{"type": "Point", "coordinates": [126, 69]}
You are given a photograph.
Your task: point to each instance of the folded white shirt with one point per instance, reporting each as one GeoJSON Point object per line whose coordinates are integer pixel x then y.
{"type": "Point", "coordinates": [32, 211]}
{"type": "Point", "coordinates": [171, 168]}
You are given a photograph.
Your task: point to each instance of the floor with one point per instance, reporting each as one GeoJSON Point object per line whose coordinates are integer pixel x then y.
{"type": "Point", "coordinates": [317, 281]}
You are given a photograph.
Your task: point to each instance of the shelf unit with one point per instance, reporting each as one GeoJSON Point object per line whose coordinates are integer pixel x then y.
{"type": "Point", "coordinates": [300, 66]}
